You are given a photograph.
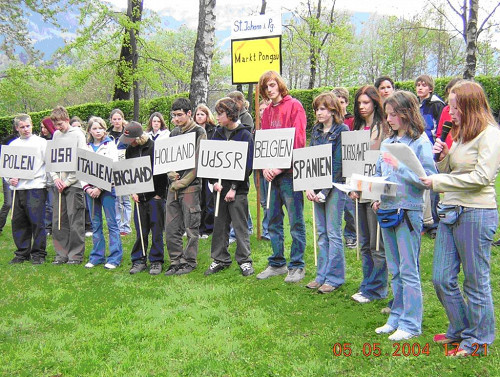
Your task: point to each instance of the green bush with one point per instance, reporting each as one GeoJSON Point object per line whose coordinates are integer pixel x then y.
{"type": "Point", "coordinates": [305, 96]}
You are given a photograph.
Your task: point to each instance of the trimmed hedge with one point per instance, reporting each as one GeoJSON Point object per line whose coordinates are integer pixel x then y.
{"type": "Point", "coordinates": [491, 86]}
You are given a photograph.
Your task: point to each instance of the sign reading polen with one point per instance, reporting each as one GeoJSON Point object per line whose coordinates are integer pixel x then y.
{"type": "Point", "coordinates": [250, 58]}
{"type": "Point", "coordinates": [18, 162]}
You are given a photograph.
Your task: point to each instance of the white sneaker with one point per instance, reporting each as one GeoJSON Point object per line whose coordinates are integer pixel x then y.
{"type": "Point", "coordinates": [89, 265]}
{"type": "Point", "coordinates": [88, 234]}
{"type": "Point", "coordinates": [400, 335]}
{"type": "Point", "coordinates": [232, 240]}
{"type": "Point", "coordinates": [358, 297]}
{"type": "Point", "coordinates": [386, 329]}
{"type": "Point", "coordinates": [110, 266]}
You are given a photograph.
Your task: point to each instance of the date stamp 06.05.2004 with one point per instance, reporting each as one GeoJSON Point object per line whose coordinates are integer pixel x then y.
{"type": "Point", "coordinates": [401, 350]}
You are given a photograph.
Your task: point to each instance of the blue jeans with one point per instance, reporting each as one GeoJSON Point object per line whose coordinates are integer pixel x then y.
{"type": "Point", "coordinates": [350, 222]}
{"type": "Point", "coordinates": [467, 242]}
{"type": "Point", "coordinates": [264, 185]}
{"type": "Point", "coordinates": [282, 194]}
{"type": "Point", "coordinates": [123, 212]}
{"type": "Point", "coordinates": [331, 259]}
{"type": "Point", "coordinates": [402, 248]}
{"type": "Point", "coordinates": [105, 201]}
{"type": "Point", "coordinates": [152, 219]}
{"type": "Point", "coordinates": [373, 262]}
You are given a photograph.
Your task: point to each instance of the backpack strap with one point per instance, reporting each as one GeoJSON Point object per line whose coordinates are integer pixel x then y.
{"type": "Point", "coordinates": [407, 219]}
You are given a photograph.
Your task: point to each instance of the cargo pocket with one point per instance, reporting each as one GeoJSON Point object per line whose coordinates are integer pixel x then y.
{"type": "Point", "coordinates": [194, 217]}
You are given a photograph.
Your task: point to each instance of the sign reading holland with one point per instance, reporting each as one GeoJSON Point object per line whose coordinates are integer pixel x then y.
{"type": "Point", "coordinates": [265, 25]}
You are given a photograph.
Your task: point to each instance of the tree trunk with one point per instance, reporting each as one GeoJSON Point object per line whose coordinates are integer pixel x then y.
{"type": "Point", "coordinates": [203, 53]}
{"type": "Point", "coordinates": [128, 54]}
{"type": "Point", "coordinates": [471, 35]}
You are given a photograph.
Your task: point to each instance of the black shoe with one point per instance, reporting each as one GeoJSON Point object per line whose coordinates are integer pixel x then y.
{"type": "Point", "coordinates": [155, 268]}
{"type": "Point", "coordinates": [74, 262]}
{"type": "Point", "coordinates": [496, 243]}
{"type": "Point", "coordinates": [138, 267]}
{"type": "Point", "coordinates": [215, 267]}
{"type": "Point", "coordinates": [184, 269]}
{"type": "Point", "coordinates": [17, 260]}
{"type": "Point", "coordinates": [432, 233]}
{"type": "Point", "coordinates": [172, 269]}
{"type": "Point", "coordinates": [38, 261]}
{"type": "Point", "coordinates": [59, 262]}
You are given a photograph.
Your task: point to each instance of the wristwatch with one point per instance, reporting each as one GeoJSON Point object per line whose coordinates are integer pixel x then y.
{"type": "Point", "coordinates": [234, 187]}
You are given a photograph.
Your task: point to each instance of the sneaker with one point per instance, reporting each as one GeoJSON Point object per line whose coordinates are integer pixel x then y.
{"type": "Point", "coordinates": [232, 240]}
{"type": "Point", "coordinates": [350, 243]}
{"type": "Point", "coordinates": [155, 268]}
{"type": "Point", "coordinates": [386, 329]}
{"type": "Point", "coordinates": [326, 288]}
{"type": "Point", "coordinates": [457, 352]}
{"type": "Point", "coordinates": [358, 297]}
{"type": "Point", "coordinates": [272, 271]}
{"type": "Point", "coordinates": [17, 260]}
{"type": "Point", "coordinates": [58, 262]}
{"type": "Point", "coordinates": [110, 266]}
{"type": "Point", "coordinates": [172, 269]}
{"type": "Point", "coordinates": [88, 234]}
{"type": "Point", "coordinates": [89, 265]}
{"type": "Point", "coordinates": [386, 310]}
{"type": "Point", "coordinates": [75, 262]}
{"type": "Point", "coordinates": [138, 267]}
{"type": "Point", "coordinates": [400, 335]}
{"type": "Point", "coordinates": [203, 236]}
{"type": "Point", "coordinates": [39, 260]}
{"type": "Point", "coordinates": [313, 285]}
{"type": "Point", "coordinates": [247, 269]}
{"type": "Point", "coordinates": [215, 267]}
{"type": "Point", "coordinates": [184, 269]}
{"type": "Point", "coordinates": [442, 339]}
{"type": "Point", "coordinates": [123, 234]}
{"type": "Point", "coordinates": [295, 275]}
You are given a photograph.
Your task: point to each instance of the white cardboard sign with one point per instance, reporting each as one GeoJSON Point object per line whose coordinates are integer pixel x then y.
{"type": "Point", "coordinates": [174, 153]}
{"type": "Point", "coordinates": [133, 176]}
{"type": "Point", "coordinates": [312, 168]}
{"type": "Point", "coordinates": [16, 162]}
{"type": "Point", "coordinates": [256, 26]}
{"type": "Point", "coordinates": [222, 159]}
{"type": "Point", "coordinates": [60, 155]}
{"type": "Point", "coordinates": [94, 169]}
{"type": "Point", "coordinates": [354, 146]}
{"type": "Point", "coordinates": [273, 148]}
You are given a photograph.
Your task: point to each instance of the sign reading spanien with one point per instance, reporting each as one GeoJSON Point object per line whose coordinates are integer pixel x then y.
{"type": "Point", "coordinates": [312, 167]}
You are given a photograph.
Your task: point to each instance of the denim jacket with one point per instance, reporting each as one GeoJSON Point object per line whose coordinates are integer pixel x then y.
{"type": "Point", "coordinates": [410, 191]}
{"type": "Point", "coordinates": [318, 137]}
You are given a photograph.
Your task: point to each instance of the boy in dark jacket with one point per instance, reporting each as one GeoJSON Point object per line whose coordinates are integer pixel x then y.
{"type": "Point", "coordinates": [234, 194]}
{"type": "Point", "coordinates": [183, 198]}
{"type": "Point", "coordinates": [151, 205]}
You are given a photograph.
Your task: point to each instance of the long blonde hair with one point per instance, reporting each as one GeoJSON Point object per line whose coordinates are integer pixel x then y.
{"type": "Point", "coordinates": [98, 120]}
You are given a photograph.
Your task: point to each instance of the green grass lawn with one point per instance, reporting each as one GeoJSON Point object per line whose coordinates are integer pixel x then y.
{"type": "Point", "coordinates": [70, 321]}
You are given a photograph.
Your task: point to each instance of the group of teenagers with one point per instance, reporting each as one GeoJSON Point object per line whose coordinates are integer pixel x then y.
{"type": "Point", "coordinates": [462, 168]}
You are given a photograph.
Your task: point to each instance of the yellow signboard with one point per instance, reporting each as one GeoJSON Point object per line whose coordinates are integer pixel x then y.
{"type": "Point", "coordinates": [252, 57]}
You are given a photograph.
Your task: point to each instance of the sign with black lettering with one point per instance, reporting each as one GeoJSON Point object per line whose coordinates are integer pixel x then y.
{"type": "Point", "coordinates": [273, 148]}
{"type": "Point", "coordinates": [312, 168]}
{"type": "Point", "coordinates": [370, 162]}
{"type": "Point", "coordinates": [94, 169]}
{"type": "Point", "coordinates": [60, 155]}
{"type": "Point", "coordinates": [354, 146]}
{"type": "Point", "coordinates": [133, 176]}
{"type": "Point", "coordinates": [222, 159]}
{"type": "Point", "coordinates": [174, 153]}
{"type": "Point", "coordinates": [17, 162]}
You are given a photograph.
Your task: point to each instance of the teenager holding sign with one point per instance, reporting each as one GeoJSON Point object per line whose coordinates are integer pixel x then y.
{"type": "Point", "coordinates": [69, 237]}
{"type": "Point", "coordinates": [28, 216]}
{"type": "Point", "coordinates": [99, 200]}
{"type": "Point", "coordinates": [402, 239]}
{"type": "Point", "coordinates": [234, 204]}
{"type": "Point", "coordinates": [284, 112]}
{"type": "Point", "coordinates": [329, 203]}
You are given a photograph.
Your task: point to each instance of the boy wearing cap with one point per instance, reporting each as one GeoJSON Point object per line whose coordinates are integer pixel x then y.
{"type": "Point", "coordinates": [151, 216]}
{"type": "Point", "coordinates": [28, 216]}
{"type": "Point", "coordinates": [183, 198]}
{"type": "Point", "coordinates": [69, 240]}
